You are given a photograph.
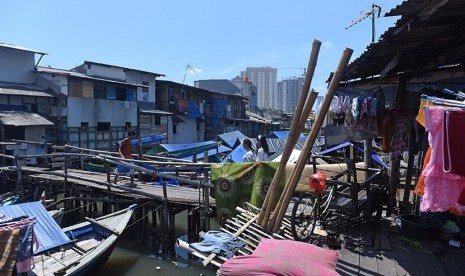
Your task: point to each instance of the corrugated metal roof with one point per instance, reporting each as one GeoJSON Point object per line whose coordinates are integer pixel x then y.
{"type": "Point", "coordinates": [125, 68]}
{"type": "Point", "coordinates": [428, 35]}
{"type": "Point", "coordinates": [19, 118]}
{"type": "Point", "coordinates": [230, 138]}
{"type": "Point", "coordinates": [70, 73]}
{"type": "Point", "coordinates": [24, 92]}
{"type": "Point", "coordinates": [284, 134]}
{"type": "Point", "coordinates": [11, 46]}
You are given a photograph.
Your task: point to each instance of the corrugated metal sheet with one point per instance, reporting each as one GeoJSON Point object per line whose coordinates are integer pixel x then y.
{"type": "Point", "coordinates": [24, 92]}
{"type": "Point", "coordinates": [284, 134]}
{"type": "Point", "coordinates": [11, 46]}
{"type": "Point", "coordinates": [230, 138]}
{"type": "Point", "coordinates": [18, 118]}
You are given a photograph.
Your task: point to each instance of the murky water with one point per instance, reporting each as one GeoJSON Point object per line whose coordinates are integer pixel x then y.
{"type": "Point", "coordinates": [133, 258]}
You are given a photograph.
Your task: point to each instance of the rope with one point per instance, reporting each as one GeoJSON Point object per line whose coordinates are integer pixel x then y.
{"type": "Point", "coordinates": [148, 213]}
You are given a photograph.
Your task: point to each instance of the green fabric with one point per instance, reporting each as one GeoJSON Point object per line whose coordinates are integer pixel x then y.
{"type": "Point", "coordinates": [237, 183]}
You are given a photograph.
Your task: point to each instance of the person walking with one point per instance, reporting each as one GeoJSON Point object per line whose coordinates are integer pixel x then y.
{"type": "Point", "coordinates": [263, 151]}
{"type": "Point", "coordinates": [125, 151]}
{"type": "Point", "coordinates": [250, 155]}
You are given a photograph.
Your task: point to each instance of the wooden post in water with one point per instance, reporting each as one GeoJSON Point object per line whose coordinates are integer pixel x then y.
{"type": "Point", "coordinates": [206, 193]}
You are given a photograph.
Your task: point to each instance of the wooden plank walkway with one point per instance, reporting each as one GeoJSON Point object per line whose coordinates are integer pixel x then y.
{"type": "Point", "coordinates": [384, 251]}
{"type": "Point", "coordinates": [175, 194]}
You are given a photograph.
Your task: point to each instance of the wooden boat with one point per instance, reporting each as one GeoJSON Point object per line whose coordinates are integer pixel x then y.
{"type": "Point", "coordinates": [93, 243]}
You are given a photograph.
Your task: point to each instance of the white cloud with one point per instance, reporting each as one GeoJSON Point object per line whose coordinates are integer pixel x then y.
{"type": "Point", "coordinates": [327, 44]}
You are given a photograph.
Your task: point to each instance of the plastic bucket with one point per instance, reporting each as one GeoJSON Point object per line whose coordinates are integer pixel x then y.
{"type": "Point", "coordinates": [418, 227]}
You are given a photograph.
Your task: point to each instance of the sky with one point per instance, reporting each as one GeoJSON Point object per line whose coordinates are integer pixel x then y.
{"type": "Point", "coordinates": [217, 38]}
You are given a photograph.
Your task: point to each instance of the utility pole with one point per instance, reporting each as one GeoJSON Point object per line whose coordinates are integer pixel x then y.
{"type": "Point", "coordinates": [375, 9]}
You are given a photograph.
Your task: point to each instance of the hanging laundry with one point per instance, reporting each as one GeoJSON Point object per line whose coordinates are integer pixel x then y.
{"type": "Point", "coordinates": [442, 188]}
{"type": "Point", "coordinates": [454, 148]}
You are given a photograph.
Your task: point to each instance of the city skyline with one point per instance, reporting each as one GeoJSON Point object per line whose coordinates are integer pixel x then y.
{"type": "Point", "coordinates": [215, 39]}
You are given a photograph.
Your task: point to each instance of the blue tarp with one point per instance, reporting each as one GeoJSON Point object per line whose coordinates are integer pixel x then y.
{"type": "Point", "coordinates": [193, 110]}
{"type": "Point", "coordinates": [374, 156]}
{"type": "Point", "coordinates": [177, 147]}
{"type": "Point", "coordinates": [219, 108]}
{"type": "Point", "coordinates": [221, 149]}
{"type": "Point", "coordinates": [49, 235]}
{"type": "Point", "coordinates": [284, 134]}
{"type": "Point", "coordinates": [148, 139]}
{"type": "Point", "coordinates": [230, 138]}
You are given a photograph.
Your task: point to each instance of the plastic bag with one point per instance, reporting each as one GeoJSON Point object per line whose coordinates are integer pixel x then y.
{"type": "Point", "coordinates": [317, 182]}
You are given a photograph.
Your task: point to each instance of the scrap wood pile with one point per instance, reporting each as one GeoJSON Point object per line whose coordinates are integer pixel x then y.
{"type": "Point", "coordinates": [271, 216]}
{"type": "Point", "coordinates": [260, 249]}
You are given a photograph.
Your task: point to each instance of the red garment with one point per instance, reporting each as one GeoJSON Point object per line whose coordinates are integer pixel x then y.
{"type": "Point", "coordinates": [454, 147]}
{"type": "Point", "coordinates": [126, 148]}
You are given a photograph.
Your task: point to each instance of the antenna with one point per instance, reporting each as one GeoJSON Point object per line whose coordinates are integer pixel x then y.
{"type": "Point", "coordinates": [188, 69]}
{"type": "Point", "coordinates": [371, 12]}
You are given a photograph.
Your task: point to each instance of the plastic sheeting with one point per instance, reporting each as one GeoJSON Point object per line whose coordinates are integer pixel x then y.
{"type": "Point", "coordinates": [211, 152]}
{"type": "Point", "coordinates": [219, 107]}
{"type": "Point", "coordinates": [148, 139]}
{"type": "Point", "coordinates": [374, 156]}
{"type": "Point", "coordinates": [193, 110]}
{"type": "Point", "coordinates": [47, 232]}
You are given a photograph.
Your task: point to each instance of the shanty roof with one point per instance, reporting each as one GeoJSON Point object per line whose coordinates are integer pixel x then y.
{"type": "Point", "coordinates": [22, 118]}
{"type": "Point", "coordinates": [23, 90]}
{"type": "Point", "coordinates": [11, 46]}
{"type": "Point", "coordinates": [124, 68]}
{"type": "Point", "coordinates": [70, 73]}
{"type": "Point", "coordinates": [429, 35]}
{"type": "Point", "coordinates": [257, 118]}
{"type": "Point", "coordinates": [284, 134]}
{"type": "Point", "coordinates": [230, 138]}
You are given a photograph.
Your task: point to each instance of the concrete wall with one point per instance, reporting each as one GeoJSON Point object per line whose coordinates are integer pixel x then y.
{"type": "Point", "coordinates": [185, 132]}
{"type": "Point", "coordinates": [106, 72]}
{"type": "Point", "coordinates": [100, 110]}
{"type": "Point", "coordinates": [16, 65]}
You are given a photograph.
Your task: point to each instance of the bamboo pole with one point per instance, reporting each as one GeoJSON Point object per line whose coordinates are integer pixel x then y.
{"type": "Point", "coordinates": [238, 232]}
{"type": "Point", "coordinates": [294, 133]}
{"type": "Point", "coordinates": [165, 175]}
{"type": "Point", "coordinates": [285, 198]}
{"type": "Point", "coordinates": [184, 245]}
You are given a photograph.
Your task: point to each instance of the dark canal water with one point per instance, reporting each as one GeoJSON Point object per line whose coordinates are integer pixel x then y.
{"type": "Point", "coordinates": [139, 258]}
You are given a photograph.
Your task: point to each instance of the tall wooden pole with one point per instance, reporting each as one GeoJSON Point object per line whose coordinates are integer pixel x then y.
{"type": "Point", "coordinates": [283, 202]}
{"type": "Point", "coordinates": [294, 133]}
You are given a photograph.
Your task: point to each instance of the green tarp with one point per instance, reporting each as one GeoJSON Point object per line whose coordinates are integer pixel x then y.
{"type": "Point", "coordinates": [238, 183]}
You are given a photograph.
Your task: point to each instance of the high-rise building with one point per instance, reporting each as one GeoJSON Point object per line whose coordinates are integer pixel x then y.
{"type": "Point", "coordinates": [265, 79]}
{"type": "Point", "coordinates": [289, 92]}
{"type": "Point", "coordinates": [248, 90]}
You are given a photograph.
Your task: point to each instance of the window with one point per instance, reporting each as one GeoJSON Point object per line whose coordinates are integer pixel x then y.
{"type": "Point", "coordinates": [103, 126]}
{"type": "Point", "coordinates": [175, 130]}
{"type": "Point", "coordinates": [127, 126]}
{"type": "Point", "coordinates": [100, 92]}
{"type": "Point", "coordinates": [121, 93]}
{"type": "Point", "coordinates": [156, 120]}
{"type": "Point", "coordinates": [145, 89]}
{"type": "Point", "coordinates": [84, 125]}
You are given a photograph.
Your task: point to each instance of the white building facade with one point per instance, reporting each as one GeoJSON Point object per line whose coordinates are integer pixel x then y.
{"type": "Point", "coordinates": [288, 93]}
{"type": "Point", "coordinates": [265, 79]}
